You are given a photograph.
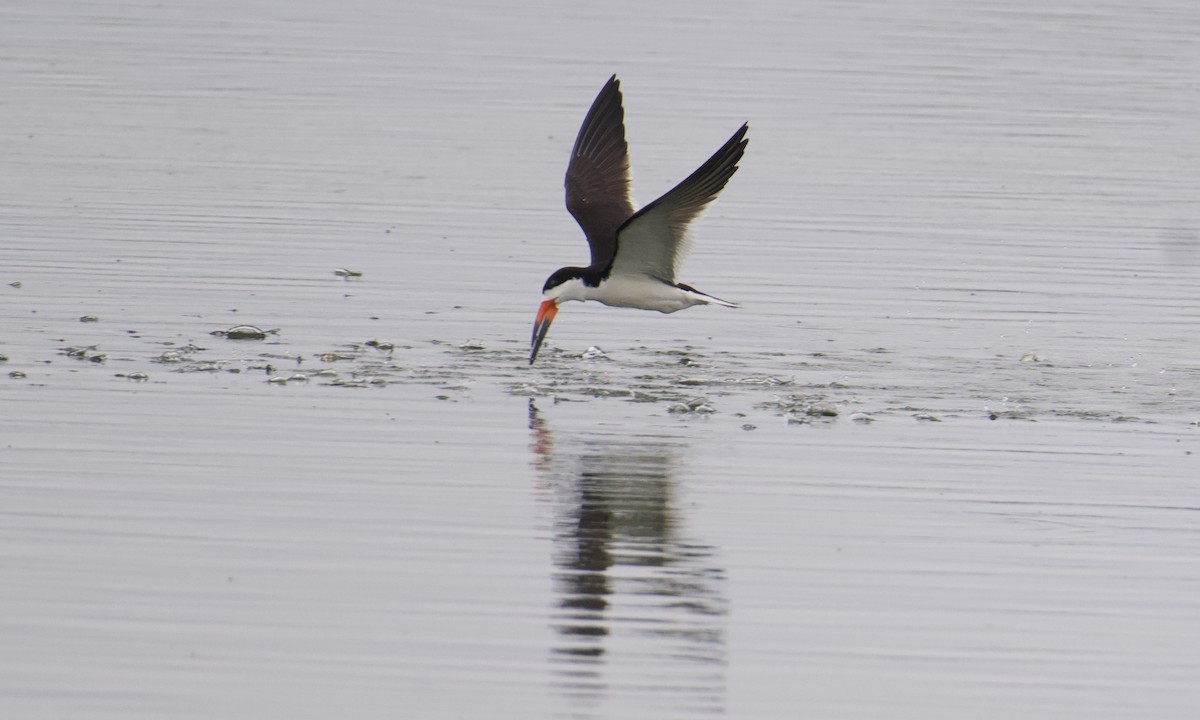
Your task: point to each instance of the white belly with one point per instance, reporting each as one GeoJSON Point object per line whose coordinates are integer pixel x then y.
{"type": "Point", "coordinates": [647, 293]}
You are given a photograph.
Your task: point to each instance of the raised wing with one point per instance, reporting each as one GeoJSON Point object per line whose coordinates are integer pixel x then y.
{"type": "Point", "coordinates": [598, 175]}
{"type": "Point", "coordinates": [655, 239]}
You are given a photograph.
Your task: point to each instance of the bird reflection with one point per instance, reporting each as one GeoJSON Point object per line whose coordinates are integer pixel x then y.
{"type": "Point", "coordinates": [639, 607]}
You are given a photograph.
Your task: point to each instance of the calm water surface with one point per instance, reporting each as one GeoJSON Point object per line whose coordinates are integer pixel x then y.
{"type": "Point", "coordinates": [942, 463]}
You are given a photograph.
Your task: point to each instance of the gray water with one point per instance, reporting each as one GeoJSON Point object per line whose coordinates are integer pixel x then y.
{"type": "Point", "coordinates": [940, 464]}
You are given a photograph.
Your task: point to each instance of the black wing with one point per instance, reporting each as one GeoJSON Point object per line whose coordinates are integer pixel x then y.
{"type": "Point", "coordinates": [655, 239]}
{"type": "Point", "coordinates": [598, 175]}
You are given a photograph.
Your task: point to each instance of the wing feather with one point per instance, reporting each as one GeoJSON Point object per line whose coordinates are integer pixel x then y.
{"type": "Point", "coordinates": [655, 239]}
{"type": "Point", "coordinates": [597, 182]}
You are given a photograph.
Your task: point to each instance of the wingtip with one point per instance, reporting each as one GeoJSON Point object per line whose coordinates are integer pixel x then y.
{"type": "Point", "coordinates": [613, 85]}
{"type": "Point", "coordinates": [740, 135]}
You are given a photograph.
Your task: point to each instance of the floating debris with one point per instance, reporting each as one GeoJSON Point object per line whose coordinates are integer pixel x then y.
{"type": "Point", "coordinates": [861, 418]}
{"type": "Point", "coordinates": [344, 382]}
{"type": "Point", "coordinates": [593, 353]}
{"type": "Point", "coordinates": [3, 358]}
{"type": "Point", "coordinates": [748, 427]}
{"type": "Point", "coordinates": [1010, 415]}
{"type": "Point", "coordinates": [769, 381]}
{"type": "Point", "coordinates": [135, 376]}
{"type": "Point", "coordinates": [283, 380]}
{"type": "Point", "coordinates": [169, 356]}
{"type": "Point", "coordinates": [379, 345]}
{"type": "Point", "coordinates": [1032, 358]}
{"type": "Point", "coordinates": [802, 409]}
{"type": "Point", "coordinates": [205, 366]}
{"type": "Point", "coordinates": [812, 405]}
{"type": "Point", "coordinates": [473, 345]}
{"type": "Point", "coordinates": [346, 273]}
{"type": "Point", "coordinates": [602, 392]}
{"type": "Point", "coordinates": [459, 385]}
{"type": "Point", "coordinates": [334, 357]}
{"type": "Point", "coordinates": [17, 375]}
{"type": "Point", "coordinates": [84, 352]}
{"type": "Point", "coordinates": [359, 382]}
{"type": "Point", "coordinates": [927, 417]}
{"type": "Point", "coordinates": [89, 319]}
{"type": "Point", "coordinates": [16, 284]}
{"type": "Point", "coordinates": [694, 406]}
{"type": "Point", "coordinates": [244, 332]}
{"type": "Point", "coordinates": [811, 414]}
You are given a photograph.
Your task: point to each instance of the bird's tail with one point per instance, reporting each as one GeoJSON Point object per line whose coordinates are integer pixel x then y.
{"type": "Point", "coordinates": [704, 298]}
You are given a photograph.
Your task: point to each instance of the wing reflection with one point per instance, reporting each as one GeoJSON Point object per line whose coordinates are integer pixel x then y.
{"type": "Point", "coordinates": [639, 607]}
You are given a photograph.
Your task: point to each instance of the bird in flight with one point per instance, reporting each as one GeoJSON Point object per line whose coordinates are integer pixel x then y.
{"type": "Point", "coordinates": [634, 254]}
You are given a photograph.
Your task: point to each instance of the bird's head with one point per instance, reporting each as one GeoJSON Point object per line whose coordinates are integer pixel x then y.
{"type": "Point", "coordinates": [564, 285]}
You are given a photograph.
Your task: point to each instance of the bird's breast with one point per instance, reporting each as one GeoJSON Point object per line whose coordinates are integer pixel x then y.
{"type": "Point", "coordinates": [640, 291]}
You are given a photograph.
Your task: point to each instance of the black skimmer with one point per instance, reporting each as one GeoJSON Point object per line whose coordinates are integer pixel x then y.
{"type": "Point", "coordinates": [634, 254]}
